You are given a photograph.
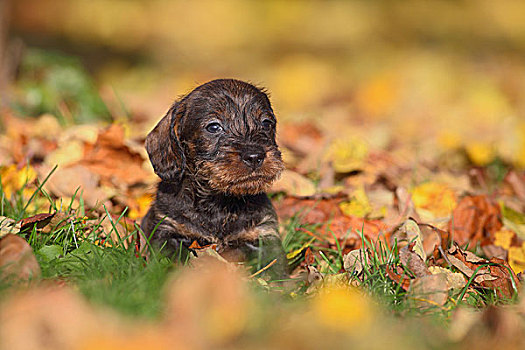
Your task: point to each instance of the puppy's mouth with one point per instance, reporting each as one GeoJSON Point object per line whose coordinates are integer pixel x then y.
{"type": "Point", "coordinates": [253, 179]}
{"type": "Point", "coordinates": [232, 174]}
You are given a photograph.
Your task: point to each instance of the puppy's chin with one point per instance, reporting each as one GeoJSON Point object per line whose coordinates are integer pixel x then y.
{"type": "Point", "coordinates": [249, 187]}
{"type": "Point", "coordinates": [232, 177]}
{"type": "Point", "coordinates": [242, 185]}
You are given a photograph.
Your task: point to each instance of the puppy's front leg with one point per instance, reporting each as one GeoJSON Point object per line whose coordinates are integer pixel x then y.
{"type": "Point", "coordinates": [259, 246]}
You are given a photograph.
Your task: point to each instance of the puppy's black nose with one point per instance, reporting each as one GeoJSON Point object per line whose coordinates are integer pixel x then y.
{"type": "Point", "coordinates": [253, 159]}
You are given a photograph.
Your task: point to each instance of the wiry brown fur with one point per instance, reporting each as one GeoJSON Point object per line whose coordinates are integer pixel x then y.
{"type": "Point", "coordinates": [216, 155]}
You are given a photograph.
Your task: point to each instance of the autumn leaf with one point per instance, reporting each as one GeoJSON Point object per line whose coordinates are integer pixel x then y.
{"type": "Point", "coordinates": [455, 280]}
{"type": "Point", "coordinates": [480, 153]}
{"type": "Point", "coordinates": [343, 308]}
{"type": "Point", "coordinates": [347, 154]}
{"type": "Point", "coordinates": [475, 218]}
{"type": "Point", "coordinates": [504, 238]}
{"type": "Point", "coordinates": [139, 206]}
{"type": "Point", "coordinates": [38, 221]}
{"type": "Point", "coordinates": [378, 96]}
{"type": "Point", "coordinates": [429, 290]}
{"type": "Point", "coordinates": [196, 305]}
{"type": "Point", "coordinates": [14, 179]}
{"type": "Point", "coordinates": [358, 206]}
{"type": "Point", "coordinates": [494, 273]}
{"type": "Point", "coordinates": [110, 158]}
{"type": "Point", "coordinates": [294, 184]}
{"type": "Point", "coordinates": [516, 258]}
{"type": "Point", "coordinates": [436, 198]}
{"type": "Point", "coordinates": [8, 225]}
{"type": "Point", "coordinates": [413, 261]}
{"type": "Point", "coordinates": [17, 258]}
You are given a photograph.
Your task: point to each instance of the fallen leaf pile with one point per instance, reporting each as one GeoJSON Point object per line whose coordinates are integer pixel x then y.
{"type": "Point", "coordinates": [97, 164]}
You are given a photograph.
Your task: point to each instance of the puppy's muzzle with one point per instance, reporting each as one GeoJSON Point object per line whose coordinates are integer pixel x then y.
{"type": "Point", "coordinates": [253, 158]}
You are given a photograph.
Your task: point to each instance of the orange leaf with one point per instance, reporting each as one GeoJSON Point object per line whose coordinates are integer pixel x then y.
{"type": "Point", "coordinates": [17, 258]}
{"type": "Point", "coordinates": [475, 218]}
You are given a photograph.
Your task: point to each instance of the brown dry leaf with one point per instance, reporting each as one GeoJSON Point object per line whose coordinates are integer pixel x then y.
{"type": "Point", "coordinates": [8, 225]}
{"type": "Point", "coordinates": [66, 181]}
{"type": "Point", "coordinates": [353, 261]}
{"type": "Point", "coordinates": [309, 257]}
{"type": "Point", "coordinates": [405, 205]}
{"type": "Point", "coordinates": [112, 160]}
{"type": "Point", "coordinates": [201, 311]}
{"type": "Point", "coordinates": [506, 283]}
{"type": "Point", "coordinates": [475, 218]}
{"type": "Point", "coordinates": [495, 273]}
{"type": "Point", "coordinates": [429, 290]}
{"type": "Point", "coordinates": [38, 220]}
{"type": "Point", "coordinates": [68, 153]}
{"type": "Point", "coordinates": [46, 318]}
{"type": "Point", "coordinates": [313, 276]}
{"type": "Point", "coordinates": [58, 220]}
{"type": "Point", "coordinates": [345, 227]}
{"type": "Point", "coordinates": [17, 258]}
{"type": "Point", "coordinates": [516, 183]}
{"type": "Point", "coordinates": [409, 233]}
{"type": "Point", "coordinates": [492, 328]}
{"type": "Point", "coordinates": [463, 321]}
{"type": "Point", "coordinates": [455, 280]}
{"type": "Point", "coordinates": [327, 211]}
{"type": "Point", "coordinates": [300, 137]}
{"type": "Point", "coordinates": [413, 261]}
{"type": "Point", "coordinates": [491, 251]}
{"type": "Point", "coordinates": [53, 317]}
{"type": "Point", "coordinates": [399, 276]}
{"type": "Point", "coordinates": [294, 184]}
{"type": "Point", "coordinates": [432, 237]}
{"type": "Point", "coordinates": [309, 210]}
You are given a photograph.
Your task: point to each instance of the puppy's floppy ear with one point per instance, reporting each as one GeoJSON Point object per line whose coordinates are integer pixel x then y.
{"type": "Point", "coordinates": [164, 148]}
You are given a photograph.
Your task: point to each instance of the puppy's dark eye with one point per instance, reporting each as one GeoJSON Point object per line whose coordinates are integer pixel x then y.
{"type": "Point", "coordinates": [267, 124]}
{"type": "Point", "coordinates": [214, 128]}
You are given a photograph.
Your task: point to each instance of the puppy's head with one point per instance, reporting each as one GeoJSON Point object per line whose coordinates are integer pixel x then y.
{"type": "Point", "coordinates": [222, 134]}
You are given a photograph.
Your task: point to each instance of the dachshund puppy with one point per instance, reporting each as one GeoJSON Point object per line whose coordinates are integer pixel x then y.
{"type": "Point", "coordinates": [216, 155]}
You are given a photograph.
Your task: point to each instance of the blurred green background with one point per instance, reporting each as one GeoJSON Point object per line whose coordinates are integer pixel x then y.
{"type": "Point", "coordinates": [457, 66]}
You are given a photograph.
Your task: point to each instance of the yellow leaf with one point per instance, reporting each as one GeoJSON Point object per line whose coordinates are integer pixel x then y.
{"type": "Point", "coordinates": [347, 154]}
{"type": "Point", "coordinates": [378, 96]}
{"type": "Point", "coordinates": [359, 206]}
{"type": "Point", "coordinates": [503, 238]}
{"type": "Point", "coordinates": [434, 197]}
{"type": "Point", "coordinates": [14, 179]}
{"type": "Point", "coordinates": [140, 207]}
{"type": "Point", "coordinates": [343, 309]}
{"type": "Point", "coordinates": [294, 184]}
{"type": "Point", "coordinates": [449, 139]}
{"type": "Point", "coordinates": [296, 252]}
{"type": "Point", "coordinates": [480, 153]}
{"type": "Point", "coordinates": [517, 258]}
{"type": "Point", "coordinates": [66, 154]}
